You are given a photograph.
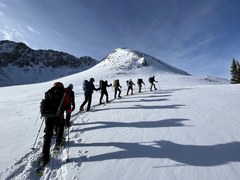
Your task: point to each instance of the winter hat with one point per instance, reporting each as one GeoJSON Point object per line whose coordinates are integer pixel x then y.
{"type": "Point", "coordinates": [70, 86]}
{"type": "Point", "coordinates": [92, 80]}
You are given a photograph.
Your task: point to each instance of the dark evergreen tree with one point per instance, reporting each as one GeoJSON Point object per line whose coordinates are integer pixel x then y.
{"type": "Point", "coordinates": [238, 72]}
{"type": "Point", "coordinates": [234, 72]}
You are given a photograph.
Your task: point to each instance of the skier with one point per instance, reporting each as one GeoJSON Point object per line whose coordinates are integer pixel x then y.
{"type": "Point", "coordinates": [130, 86]}
{"type": "Point", "coordinates": [152, 80]}
{"type": "Point", "coordinates": [69, 101]}
{"type": "Point", "coordinates": [103, 87]}
{"type": "Point", "coordinates": [117, 87]}
{"type": "Point", "coordinates": [88, 88]}
{"type": "Point", "coordinates": [54, 98]}
{"type": "Point", "coordinates": [140, 82]}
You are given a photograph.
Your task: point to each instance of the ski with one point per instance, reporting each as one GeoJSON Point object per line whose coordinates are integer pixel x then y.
{"type": "Point", "coordinates": [57, 149]}
{"type": "Point", "coordinates": [40, 169]}
{"type": "Point", "coordinates": [54, 151]}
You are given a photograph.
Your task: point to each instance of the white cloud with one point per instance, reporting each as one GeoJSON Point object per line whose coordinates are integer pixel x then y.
{"type": "Point", "coordinates": [5, 35]}
{"type": "Point", "coordinates": [12, 35]}
{"type": "Point", "coordinates": [3, 5]}
{"type": "Point", "coordinates": [32, 30]}
{"type": "Point", "coordinates": [1, 13]}
{"type": "Point", "coordinates": [18, 34]}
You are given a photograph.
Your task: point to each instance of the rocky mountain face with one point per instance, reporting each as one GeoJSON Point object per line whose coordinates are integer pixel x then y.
{"type": "Point", "coordinates": [18, 59]}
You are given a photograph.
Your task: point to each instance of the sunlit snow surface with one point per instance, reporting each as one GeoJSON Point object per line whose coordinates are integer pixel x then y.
{"type": "Point", "coordinates": [187, 129]}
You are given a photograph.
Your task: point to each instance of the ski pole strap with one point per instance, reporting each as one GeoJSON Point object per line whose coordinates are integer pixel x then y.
{"type": "Point", "coordinates": [59, 107]}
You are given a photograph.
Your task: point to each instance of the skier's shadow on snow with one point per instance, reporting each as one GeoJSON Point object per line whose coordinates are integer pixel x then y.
{"type": "Point", "coordinates": [137, 106]}
{"type": "Point", "coordinates": [143, 100]}
{"type": "Point", "coordinates": [141, 124]}
{"type": "Point", "coordinates": [193, 155]}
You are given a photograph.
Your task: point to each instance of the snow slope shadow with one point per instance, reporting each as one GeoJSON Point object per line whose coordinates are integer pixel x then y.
{"type": "Point", "coordinates": [193, 155]}
{"type": "Point", "coordinates": [142, 124]}
{"type": "Point", "coordinates": [173, 106]}
{"type": "Point", "coordinates": [142, 100]}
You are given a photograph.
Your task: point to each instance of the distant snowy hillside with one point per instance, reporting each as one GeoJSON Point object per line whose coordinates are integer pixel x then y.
{"type": "Point", "coordinates": [122, 60]}
{"type": "Point", "coordinates": [20, 64]}
{"type": "Point", "coordinates": [128, 64]}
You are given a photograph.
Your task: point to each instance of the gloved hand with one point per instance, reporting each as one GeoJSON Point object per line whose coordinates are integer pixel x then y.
{"type": "Point", "coordinates": [73, 107]}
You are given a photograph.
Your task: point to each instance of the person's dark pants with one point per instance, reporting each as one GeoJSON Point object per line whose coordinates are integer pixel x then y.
{"type": "Point", "coordinates": [139, 88]}
{"type": "Point", "coordinates": [115, 92]}
{"type": "Point", "coordinates": [153, 85]}
{"type": "Point", "coordinates": [50, 124]}
{"type": "Point", "coordinates": [130, 88]}
{"type": "Point", "coordinates": [101, 97]}
{"type": "Point", "coordinates": [88, 98]}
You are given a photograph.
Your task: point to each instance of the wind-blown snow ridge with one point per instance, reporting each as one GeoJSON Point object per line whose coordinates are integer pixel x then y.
{"type": "Point", "coordinates": [124, 59]}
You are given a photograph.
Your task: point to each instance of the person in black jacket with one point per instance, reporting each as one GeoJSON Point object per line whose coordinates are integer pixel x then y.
{"type": "Point", "coordinates": [130, 86]}
{"type": "Point", "coordinates": [103, 87]}
{"type": "Point", "coordinates": [152, 80]}
{"type": "Point", "coordinates": [140, 83]}
{"type": "Point", "coordinates": [54, 97]}
{"type": "Point", "coordinates": [88, 88]}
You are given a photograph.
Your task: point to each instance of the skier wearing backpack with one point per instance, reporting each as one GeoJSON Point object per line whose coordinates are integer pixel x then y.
{"type": "Point", "coordinates": [69, 102]}
{"type": "Point", "coordinates": [117, 87]}
{"type": "Point", "coordinates": [130, 86]}
{"type": "Point", "coordinates": [52, 109]}
{"type": "Point", "coordinates": [152, 80]}
{"type": "Point", "coordinates": [103, 87]}
{"type": "Point", "coordinates": [140, 82]}
{"type": "Point", "coordinates": [88, 88]}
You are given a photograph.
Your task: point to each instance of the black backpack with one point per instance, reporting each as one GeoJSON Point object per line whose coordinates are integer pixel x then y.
{"type": "Point", "coordinates": [51, 105]}
{"type": "Point", "coordinates": [151, 79]}
{"type": "Point", "coordinates": [101, 84]}
{"type": "Point", "coordinates": [86, 86]}
{"type": "Point", "coordinates": [139, 81]}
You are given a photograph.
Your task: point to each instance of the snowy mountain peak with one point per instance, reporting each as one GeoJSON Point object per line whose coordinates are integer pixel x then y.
{"type": "Point", "coordinates": [125, 59]}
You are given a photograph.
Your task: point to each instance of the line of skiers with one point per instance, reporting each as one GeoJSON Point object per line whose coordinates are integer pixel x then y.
{"type": "Point", "coordinates": [59, 101]}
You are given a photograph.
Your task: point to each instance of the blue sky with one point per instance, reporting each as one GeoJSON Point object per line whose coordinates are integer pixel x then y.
{"type": "Point", "coordinates": [199, 36]}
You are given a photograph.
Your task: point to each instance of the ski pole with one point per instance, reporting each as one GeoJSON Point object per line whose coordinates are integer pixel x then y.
{"type": "Point", "coordinates": [37, 135]}
{"type": "Point", "coordinates": [158, 86]}
{"type": "Point", "coordinates": [67, 160]}
{"type": "Point", "coordinates": [60, 105]}
{"type": "Point", "coordinates": [37, 118]}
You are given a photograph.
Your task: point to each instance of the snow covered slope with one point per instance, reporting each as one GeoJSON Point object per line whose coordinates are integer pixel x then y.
{"type": "Point", "coordinates": [124, 61]}
{"type": "Point", "coordinates": [187, 129]}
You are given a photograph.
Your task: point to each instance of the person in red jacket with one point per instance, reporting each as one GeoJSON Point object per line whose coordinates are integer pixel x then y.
{"type": "Point", "coordinates": [69, 102]}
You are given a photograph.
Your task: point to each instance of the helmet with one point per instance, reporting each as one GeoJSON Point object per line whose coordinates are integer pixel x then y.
{"type": "Point", "coordinates": [58, 84]}
{"type": "Point", "coordinates": [92, 80]}
{"type": "Point", "coordinates": [70, 86]}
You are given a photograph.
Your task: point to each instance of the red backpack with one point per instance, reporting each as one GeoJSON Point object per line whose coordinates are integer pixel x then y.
{"type": "Point", "coordinates": [67, 99]}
